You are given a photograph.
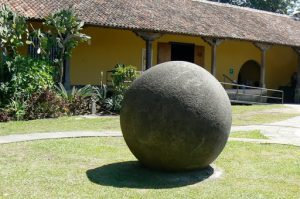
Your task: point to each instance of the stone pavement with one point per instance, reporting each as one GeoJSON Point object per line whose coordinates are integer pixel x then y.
{"type": "Point", "coordinates": [284, 132]}
{"type": "Point", "coordinates": [56, 135]}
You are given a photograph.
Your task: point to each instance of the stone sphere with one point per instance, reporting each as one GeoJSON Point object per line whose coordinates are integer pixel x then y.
{"type": "Point", "coordinates": [176, 117]}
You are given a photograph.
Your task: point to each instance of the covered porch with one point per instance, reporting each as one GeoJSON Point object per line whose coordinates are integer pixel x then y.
{"type": "Point", "coordinates": [242, 62]}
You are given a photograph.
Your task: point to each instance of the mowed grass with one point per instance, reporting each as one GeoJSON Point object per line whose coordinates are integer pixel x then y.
{"type": "Point", "coordinates": [255, 134]}
{"type": "Point", "coordinates": [105, 168]}
{"type": "Point", "coordinates": [261, 114]}
{"type": "Point", "coordinates": [242, 115]}
{"type": "Point", "coordinates": [61, 124]}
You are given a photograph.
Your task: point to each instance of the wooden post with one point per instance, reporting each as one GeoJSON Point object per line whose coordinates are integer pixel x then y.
{"type": "Point", "coordinates": [67, 79]}
{"type": "Point", "coordinates": [149, 37]}
{"type": "Point", "coordinates": [148, 54]}
{"type": "Point", "coordinates": [213, 42]}
{"type": "Point", "coordinates": [263, 48]}
{"type": "Point", "coordinates": [214, 60]}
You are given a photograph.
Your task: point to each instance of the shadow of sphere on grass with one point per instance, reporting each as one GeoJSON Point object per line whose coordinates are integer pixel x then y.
{"type": "Point", "coordinates": [133, 175]}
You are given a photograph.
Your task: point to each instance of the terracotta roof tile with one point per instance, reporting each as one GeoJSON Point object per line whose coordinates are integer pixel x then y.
{"type": "Point", "coordinates": [191, 17]}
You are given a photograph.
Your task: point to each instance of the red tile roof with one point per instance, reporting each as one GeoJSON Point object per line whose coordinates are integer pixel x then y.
{"type": "Point", "coordinates": [190, 17]}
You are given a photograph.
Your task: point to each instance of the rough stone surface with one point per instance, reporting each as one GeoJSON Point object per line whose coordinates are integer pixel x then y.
{"type": "Point", "coordinates": [176, 116]}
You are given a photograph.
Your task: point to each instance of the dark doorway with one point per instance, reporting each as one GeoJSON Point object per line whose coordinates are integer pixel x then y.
{"type": "Point", "coordinates": [182, 52]}
{"type": "Point", "coordinates": [250, 74]}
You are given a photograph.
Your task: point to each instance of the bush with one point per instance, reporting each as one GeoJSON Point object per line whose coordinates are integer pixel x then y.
{"type": "Point", "coordinates": [26, 76]}
{"type": "Point", "coordinates": [78, 100]}
{"type": "Point", "coordinates": [122, 76]}
{"type": "Point", "coordinates": [46, 104]}
{"type": "Point", "coordinates": [16, 109]}
{"type": "Point", "coordinates": [5, 116]}
{"type": "Point", "coordinates": [80, 106]}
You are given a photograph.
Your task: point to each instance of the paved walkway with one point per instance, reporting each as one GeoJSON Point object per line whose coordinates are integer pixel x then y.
{"type": "Point", "coordinates": [56, 135]}
{"type": "Point", "coordinates": [284, 132]}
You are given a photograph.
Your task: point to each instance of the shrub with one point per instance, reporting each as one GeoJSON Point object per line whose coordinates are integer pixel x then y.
{"type": "Point", "coordinates": [26, 76]}
{"type": "Point", "coordinates": [16, 109]}
{"type": "Point", "coordinates": [122, 76]}
{"type": "Point", "coordinates": [5, 116]}
{"type": "Point", "coordinates": [80, 106]}
{"type": "Point", "coordinates": [46, 104]}
{"type": "Point", "coordinates": [78, 100]}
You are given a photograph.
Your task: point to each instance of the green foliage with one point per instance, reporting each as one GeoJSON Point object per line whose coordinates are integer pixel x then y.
{"type": "Point", "coordinates": [46, 104]}
{"type": "Point", "coordinates": [278, 6]}
{"type": "Point", "coordinates": [17, 109]}
{"type": "Point", "coordinates": [78, 100]}
{"type": "Point", "coordinates": [26, 76]}
{"type": "Point", "coordinates": [64, 30]}
{"type": "Point", "coordinates": [122, 76]}
{"type": "Point", "coordinates": [25, 87]}
{"type": "Point", "coordinates": [13, 32]}
{"type": "Point", "coordinates": [84, 92]}
{"type": "Point", "coordinates": [5, 115]}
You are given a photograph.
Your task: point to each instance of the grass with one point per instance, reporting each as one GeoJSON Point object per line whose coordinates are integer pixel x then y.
{"type": "Point", "coordinates": [242, 109]}
{"type": "Point", "coordinates": [242, 115]}
{"type": "Point", "coordinates": [255, 134]}
{"type": "Point", "coordinates": [260, 114]}
{"type": "Point", "coordinates": [105, 168]}
{"type": "Point", "coordinates": [61, 124]}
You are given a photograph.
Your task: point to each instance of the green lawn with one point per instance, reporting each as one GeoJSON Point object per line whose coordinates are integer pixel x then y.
{"type": "Point", "coordinates": [261, 114]}
{"type": "Point", "coordinates": [104, 168]}
{"type": "Point", "coordinates": [242, 115]}
{"type": "Point", "coordinates": [61, 124]}
{"type": "Point", "coordinates": [255, 134]}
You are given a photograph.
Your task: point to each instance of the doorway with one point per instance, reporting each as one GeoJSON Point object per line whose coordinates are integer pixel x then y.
{"type": "Point", "coordinates": [250, 74]}
{"type": "Point", "coordinates": [182, 52]}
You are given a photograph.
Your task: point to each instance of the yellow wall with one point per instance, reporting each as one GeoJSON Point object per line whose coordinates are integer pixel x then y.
{"type": "Point", "coordinates": [281, 64]}
{"type": "Point", "coordinates": [109, 47]}
{"type": "Point", "coordinates": [106, 49]}
{"type": "Point", "coordinates": [233, 54]}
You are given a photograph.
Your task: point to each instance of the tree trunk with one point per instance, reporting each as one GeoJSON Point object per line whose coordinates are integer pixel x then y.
{"type": "Point", "coordinates": [61, 65]}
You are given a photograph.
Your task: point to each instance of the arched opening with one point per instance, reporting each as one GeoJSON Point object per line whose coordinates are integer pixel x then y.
{"type": "Point", "coordinates": [249, 74]}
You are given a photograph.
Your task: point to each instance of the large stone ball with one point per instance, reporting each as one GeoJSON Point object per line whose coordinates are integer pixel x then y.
{"type": "Point", "coordinates": [176, 116]}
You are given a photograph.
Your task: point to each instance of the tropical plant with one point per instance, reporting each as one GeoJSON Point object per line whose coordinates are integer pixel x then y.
{"type": "Point", "coordinates": [46, 104]}
{"type": "Point", "coordinates": [79, 100]}
{"type": "Point", "coordinates": [17, 109]}
{"type": "Point", "coordinates": [25, 77]}
{"type": "Point", "coordinates": [100, 93]}
{"type": "Point", "coordinates": [64, 30]}
{"type": "Point", "coordinates": [113, 104]}
{"type": "Point", "coordinates": [5, 115]}
{"type": "Point", "coordinates": [84, 92]}
{"type": "Point", "coordinates": [13, 32]}
{"type": "Point", "coordinates": [122, 76]}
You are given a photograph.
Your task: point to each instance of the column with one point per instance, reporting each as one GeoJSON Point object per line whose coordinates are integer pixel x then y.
{"type": "Point", "coordinates": [149, 37]}
{"type": "Point", "coordinates": [263, 48]}
{"type": "Point", "coordinates": [213, 42]}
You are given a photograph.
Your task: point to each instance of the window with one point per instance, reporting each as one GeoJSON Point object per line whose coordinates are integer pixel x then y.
{"type": "Point", "coordinates": [34, 47]}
